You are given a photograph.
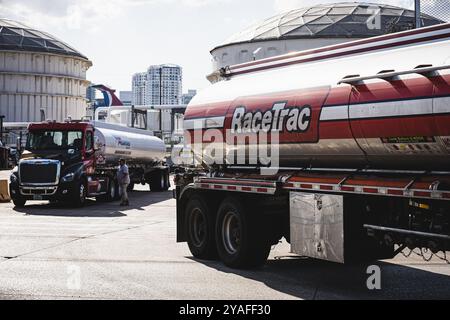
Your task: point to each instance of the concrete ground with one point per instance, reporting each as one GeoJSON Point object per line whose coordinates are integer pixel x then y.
{"type": "Point", "coordinates": [104, 251]}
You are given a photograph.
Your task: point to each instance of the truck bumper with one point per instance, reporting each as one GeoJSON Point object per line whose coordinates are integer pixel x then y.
{"type": "Point", "coordinates": [61, 192]}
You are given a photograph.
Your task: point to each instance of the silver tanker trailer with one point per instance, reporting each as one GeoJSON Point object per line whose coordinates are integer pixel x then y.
{"type": "Point", "coordinates": [359, 143]}
{"type": "Point", "coordinates": [74, 160]}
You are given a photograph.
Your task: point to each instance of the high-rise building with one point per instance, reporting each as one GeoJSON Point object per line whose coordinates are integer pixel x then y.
{"type": "Point", "coordinates": [164, 85]}
{"type": "Point", "coordinates": [94, 97]}
{"type": "Point", "coordinates": [126, 97]}
{"type": "Point", "coordinates": [160, 85]}
{"type": "Point", "coordinates": [91, 94]}
{"type": "Point", "coordinates": [139, 89]}
{"type": "Point", "coordinates": [187, 97]}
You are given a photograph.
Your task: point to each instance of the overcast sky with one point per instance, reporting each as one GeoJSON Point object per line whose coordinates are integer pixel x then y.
{"type": "Point", "coordinates": [123, 37]}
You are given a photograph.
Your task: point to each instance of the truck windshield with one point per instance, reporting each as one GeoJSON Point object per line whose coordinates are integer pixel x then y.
{"type": "Point", "coordinates": [51, 140]}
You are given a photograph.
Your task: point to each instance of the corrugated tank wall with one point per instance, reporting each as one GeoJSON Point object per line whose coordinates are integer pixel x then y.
{"type": "Point", "coordinates": [39, 86]}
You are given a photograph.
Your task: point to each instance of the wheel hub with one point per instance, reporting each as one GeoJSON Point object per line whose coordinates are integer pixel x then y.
{"type": "Point", "coordinates": [198, 228]}
{"type": "Point", "coordinates": [231, 233]}
{"type": "Point", "coordinates": [82, 193]}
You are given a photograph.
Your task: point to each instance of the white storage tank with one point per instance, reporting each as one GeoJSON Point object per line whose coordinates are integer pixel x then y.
{"type": "Point", "coordinates": [313, 27]}
{"type": "Point", "coordinates": [41, 77]}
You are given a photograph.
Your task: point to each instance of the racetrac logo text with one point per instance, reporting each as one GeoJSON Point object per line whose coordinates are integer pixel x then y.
{"type": "Point", "coordinates": [279, 118]}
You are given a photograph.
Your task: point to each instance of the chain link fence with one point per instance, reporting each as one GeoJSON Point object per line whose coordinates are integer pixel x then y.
{"type": "Point", "coordinates": [436, 8]}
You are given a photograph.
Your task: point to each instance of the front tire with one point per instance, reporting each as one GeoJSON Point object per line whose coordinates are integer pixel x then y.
{"type": "Point", "coordinates": [79, 199]}
{"type": "Point", "coordinates": [242, 237]}
{"type": "Point", "coordinates": [200, 229]}
{"type": "Point", "coordinates": [19, 203]}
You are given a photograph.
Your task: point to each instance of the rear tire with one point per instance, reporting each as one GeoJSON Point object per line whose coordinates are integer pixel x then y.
{"type": "Point", "coordinates": [117, 191]}
{"type": "Point", "coordinates": [110, 194]}
{"type": "Point", "coordinates": [200, 225]}
{"type": "Point", "coordinates": [241, 236]}
{"type": "Point", "coordinates": [167, 180]}
{"type": "Point", "coordinates": [159, 181]}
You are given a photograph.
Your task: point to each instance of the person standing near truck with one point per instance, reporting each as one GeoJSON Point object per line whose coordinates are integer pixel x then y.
{"type": "Point", "coordinates": [123, 177]}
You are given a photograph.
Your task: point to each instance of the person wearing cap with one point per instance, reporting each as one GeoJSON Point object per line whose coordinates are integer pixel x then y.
{"type": "Point", "coordinates": [123, 177]}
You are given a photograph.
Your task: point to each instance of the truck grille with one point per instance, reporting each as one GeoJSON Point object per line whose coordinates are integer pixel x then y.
{"type": "Point", "coordinates": [39, 172]}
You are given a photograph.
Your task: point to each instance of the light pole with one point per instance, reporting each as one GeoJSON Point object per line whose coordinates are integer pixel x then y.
{"type": "Point", "coordinates": [1, 128]}
{"type": "Point", "coordinates": [417, 14]}
{"type": "Point", "coordinates": [160, 101]}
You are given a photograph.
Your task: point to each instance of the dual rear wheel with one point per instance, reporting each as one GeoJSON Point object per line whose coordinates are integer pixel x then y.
{"type": "Point", "coordinates": [159, 180]}
{"type": "Point", "coordinates": [200, 229]}
{"type": "Point", "coordinates": [232, 233]}
{"type": "Point", "coordinates": [112, 193]}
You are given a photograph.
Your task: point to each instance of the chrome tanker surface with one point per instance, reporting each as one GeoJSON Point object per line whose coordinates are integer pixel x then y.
{"type": "Point", "coordinates": [381, 103]}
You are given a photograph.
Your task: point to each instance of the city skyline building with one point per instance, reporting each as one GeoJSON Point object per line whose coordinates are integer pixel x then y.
{"type": "Point", "coordinates": [138, 90]}
{"type": "Point", "coordinates": [164, 85]}
{"type": "Point", "coordinates": [91, 93]}
{"type": "Point", "coordinates": [126, 97]}
{"type": "Point", "coordinates": [187, 97]}
{"type": "Point", "coordinates": [160, 85]}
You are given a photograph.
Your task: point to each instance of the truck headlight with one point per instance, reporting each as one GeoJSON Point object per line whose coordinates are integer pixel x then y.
{"type": "Point", "coordinates": [68, 177]}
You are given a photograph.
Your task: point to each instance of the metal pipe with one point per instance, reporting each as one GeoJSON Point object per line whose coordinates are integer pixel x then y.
{"type": "Point", "coordinates": [1, 128]}
{"type": "Point", "coordinates": [339, 170]}
{"type": "Point", "coordinates": [160, 100]}
{"type": "Point", "coordinates": [108, 110]}
{"type": "Point", "coordinates": [417, 14]}
{"type": "Point", "coordinates": [411, 232]}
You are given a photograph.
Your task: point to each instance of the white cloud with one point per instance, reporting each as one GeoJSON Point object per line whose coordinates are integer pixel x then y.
{"type": "Point", "coordinates": [80, 14]}
{"type": "Point", "coordinates": [73, 14]}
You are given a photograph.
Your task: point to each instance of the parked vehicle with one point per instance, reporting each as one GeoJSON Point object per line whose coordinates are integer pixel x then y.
{"type": "Point", "coordinates": [76, 160]}
{"type": "Point", "coordinates": [363, 136]}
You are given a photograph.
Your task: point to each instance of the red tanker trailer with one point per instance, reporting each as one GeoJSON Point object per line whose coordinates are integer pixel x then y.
{"type": "Point", "coordinates": [342, 150]}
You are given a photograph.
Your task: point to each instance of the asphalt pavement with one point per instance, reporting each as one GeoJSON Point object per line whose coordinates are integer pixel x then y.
{"type": "Point", "coordinates": [105, 251]}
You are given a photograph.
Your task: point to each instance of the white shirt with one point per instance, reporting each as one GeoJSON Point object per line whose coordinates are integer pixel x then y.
{"type": "Point", "coordinates": [123, 175]}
